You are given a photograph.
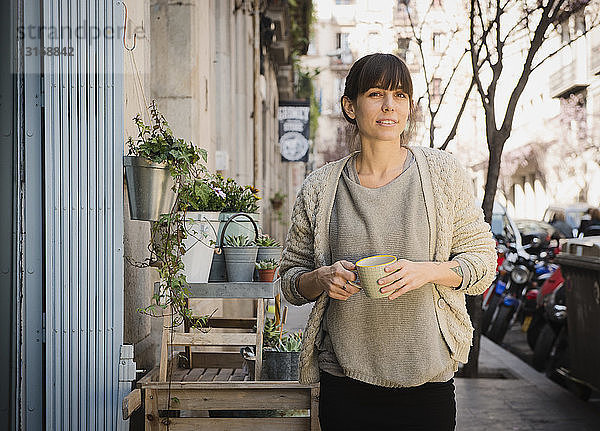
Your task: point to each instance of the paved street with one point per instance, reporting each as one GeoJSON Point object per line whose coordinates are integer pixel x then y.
{"type": "Point", "coordinates": [529, 401]}
{"type": "Point", "coordinates": [526, 400]}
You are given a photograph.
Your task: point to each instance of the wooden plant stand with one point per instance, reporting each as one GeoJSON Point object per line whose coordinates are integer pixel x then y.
{"type": "Point", "coordinates": [210, 390]}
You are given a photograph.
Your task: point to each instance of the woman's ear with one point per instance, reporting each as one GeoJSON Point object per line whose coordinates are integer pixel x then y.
{"type": "Point", "coordinates": [348, 107]}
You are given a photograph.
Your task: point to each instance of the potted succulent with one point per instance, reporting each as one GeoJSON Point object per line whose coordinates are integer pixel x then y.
{"type": "Point", "coordinates": [266, 269]}
{"type": "Point", "coordinates": [281, 352]}
{"type": "Point", "coordinates": [155, 160]}
{"type": "Point", "coordinates": [268, 248]}
{"type": "Point", "coordinates": [240, 257]}
{"type": "Point", "coordinates": [201, 202]}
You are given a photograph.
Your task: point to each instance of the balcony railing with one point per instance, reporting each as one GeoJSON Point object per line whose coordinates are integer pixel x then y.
{"type": "Point", "coordinates": [569, 79]}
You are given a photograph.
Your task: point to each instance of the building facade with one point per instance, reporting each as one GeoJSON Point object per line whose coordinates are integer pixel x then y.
{"type": "Point", "coordinates": [552, 153]}
{"type": "Point", "coordinates": [217, 70]}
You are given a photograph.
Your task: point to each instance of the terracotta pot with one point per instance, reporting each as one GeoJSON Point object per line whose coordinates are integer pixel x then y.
{"type": "Point", "coordinates": [266, 274]}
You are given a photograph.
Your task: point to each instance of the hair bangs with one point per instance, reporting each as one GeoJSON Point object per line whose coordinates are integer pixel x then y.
{"type": "Point", "coordinates": [385, 71]}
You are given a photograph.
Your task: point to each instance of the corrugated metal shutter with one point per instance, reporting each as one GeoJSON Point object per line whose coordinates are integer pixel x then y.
{"type": "Point", "coordinates": [84, 205]}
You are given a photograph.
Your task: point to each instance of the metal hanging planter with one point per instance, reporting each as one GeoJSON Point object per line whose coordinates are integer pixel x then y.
{"type": "Point", "coordinates": [150, 188]}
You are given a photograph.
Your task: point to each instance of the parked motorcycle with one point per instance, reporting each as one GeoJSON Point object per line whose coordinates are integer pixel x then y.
{"type": "Point", "coordinates": [539, 319]}
{"type": "Point", "coordinates": [554, 316]}
{"type": "Point", "coordinates": [517, 302]}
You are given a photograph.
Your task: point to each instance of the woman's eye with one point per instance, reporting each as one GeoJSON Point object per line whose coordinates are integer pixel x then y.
{"type": "Point", "coordinates": [375, 93]}
{"type": "Point", "coordinates": [403, 95]}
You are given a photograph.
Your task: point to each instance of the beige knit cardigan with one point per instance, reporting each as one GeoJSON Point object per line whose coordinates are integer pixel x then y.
{"type": "Point", "coordinates": [457, 231]}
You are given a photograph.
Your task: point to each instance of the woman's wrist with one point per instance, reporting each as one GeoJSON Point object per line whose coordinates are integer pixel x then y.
{"type": "Point", "coordinates": [306, 285]}
{"type": "Point", "coordinates": [448, 274]}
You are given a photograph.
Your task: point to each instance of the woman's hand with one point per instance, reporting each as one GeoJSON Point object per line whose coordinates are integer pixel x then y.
{"type": "Point", "coordinates": [406, 276]}
{"type": "Point", "coordinates": [332, 279]}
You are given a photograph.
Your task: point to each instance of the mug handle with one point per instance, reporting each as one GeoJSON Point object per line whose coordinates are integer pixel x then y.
{"type": "Point", "coordinates": [353, 283]}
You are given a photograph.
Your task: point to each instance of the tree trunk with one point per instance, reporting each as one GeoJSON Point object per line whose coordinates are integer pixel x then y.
{"type": "Point", "coordinates": [474, 303]}
{"type": "Point", "coordinates": [471, 368]}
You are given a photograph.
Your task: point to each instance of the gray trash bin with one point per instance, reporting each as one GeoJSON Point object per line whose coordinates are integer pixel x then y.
{"type": "Point", "coordinates": [580, 264]}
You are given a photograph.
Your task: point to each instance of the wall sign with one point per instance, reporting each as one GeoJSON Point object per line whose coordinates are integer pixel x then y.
{"type": "Point", "coordinates": [294, 130]}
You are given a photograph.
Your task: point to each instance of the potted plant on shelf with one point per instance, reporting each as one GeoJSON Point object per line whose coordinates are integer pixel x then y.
{"type": "Point", "coordinates": [281, 352]}
{"type": "Point", "coordinates": [266, 269]}
{"type": "Point", "coordinates": [155, 161]}
{"type": "Point", "coordinates": [240, 257]}
{"type": "Point", "coordinates": [201, 202]}
{"type": "Point", "coordinates": [238, 200]}
{"type": "Point", "coordinates": [268, 248]}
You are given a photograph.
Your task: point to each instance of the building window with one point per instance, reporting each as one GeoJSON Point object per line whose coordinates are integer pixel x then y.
{"type": "Point", "coordinates": [435, 90]}
{"type": "Point", "coordinates": [341, 41]}
{"type": "Point", "coordinates": [579, 23]}
{"type": "Point", "coordinates": [565, 34]}
{"type": "Point", "coordinates": [437, 42]}
{"type": "Point", "coordinates": [338, 92]}
{"type": "Point", "coordinates": [403, 45]}
{"type": "Point", "coordinates": [344, 1]}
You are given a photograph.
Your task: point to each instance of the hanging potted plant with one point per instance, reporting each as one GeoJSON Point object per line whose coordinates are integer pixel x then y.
{"type": "Point", "coordinates": [155, 159]}
{"type": "Point", "coordinates": [201, 202]}
{"type": "Point", "coordinates": [277, 200]}
{"type": "Point", "coordinates": [238, 200]}
{"type": "Point", "coordinates": [266, 269]}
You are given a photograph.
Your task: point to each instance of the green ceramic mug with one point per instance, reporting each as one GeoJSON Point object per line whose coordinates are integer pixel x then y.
{"type": "Point", "coordinates": [370, 269]}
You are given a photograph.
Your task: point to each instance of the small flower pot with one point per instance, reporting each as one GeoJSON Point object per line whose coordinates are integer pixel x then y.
{"type": "Point", "coordinates": [267, 275]}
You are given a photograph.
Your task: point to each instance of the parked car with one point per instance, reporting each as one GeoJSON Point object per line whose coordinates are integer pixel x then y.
{"type": "Point", "coordinates": [572, 214]}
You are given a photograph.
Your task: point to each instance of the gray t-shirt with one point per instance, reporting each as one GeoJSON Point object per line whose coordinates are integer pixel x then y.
{"type": "Point", "coordinates": [387, 343]}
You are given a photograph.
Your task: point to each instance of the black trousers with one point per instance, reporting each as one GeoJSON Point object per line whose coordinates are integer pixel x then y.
{"type": "Point", "coordinates": [348, 404]}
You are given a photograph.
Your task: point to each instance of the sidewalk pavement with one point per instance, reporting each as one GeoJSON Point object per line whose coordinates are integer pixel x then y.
{"type": "Point", "coordinates": [529, 401]}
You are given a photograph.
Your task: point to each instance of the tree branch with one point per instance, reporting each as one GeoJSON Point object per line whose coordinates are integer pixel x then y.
{"type": "Point", "coordinates": [452, 133]}
{"type": "Point", "coordinates": [553, 53]}
{"type": "Point", "coordinates": [536, 43]}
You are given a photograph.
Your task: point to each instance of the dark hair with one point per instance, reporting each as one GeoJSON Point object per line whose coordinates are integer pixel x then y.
{"type": "Point", "coordinates": [381, 71]}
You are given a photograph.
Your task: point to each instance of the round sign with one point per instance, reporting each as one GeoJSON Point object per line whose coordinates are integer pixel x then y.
{"type": "Point", "coordinates": [293, 146]}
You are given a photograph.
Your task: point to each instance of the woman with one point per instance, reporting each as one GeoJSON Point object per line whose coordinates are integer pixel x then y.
{"type": "Point", "coordinates": [386, 363]}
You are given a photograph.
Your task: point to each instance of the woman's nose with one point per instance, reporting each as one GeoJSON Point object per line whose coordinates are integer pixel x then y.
{"type": "Point", "coordinates": [387, 104]}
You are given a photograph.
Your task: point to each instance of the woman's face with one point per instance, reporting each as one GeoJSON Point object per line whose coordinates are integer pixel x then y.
{"type": "Point", "coordinates": [380, 114]}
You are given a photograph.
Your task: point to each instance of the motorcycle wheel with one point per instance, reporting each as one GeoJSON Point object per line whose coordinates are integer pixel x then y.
{"type": "Point", "coordinates": [486, 318]}
{"type": "Point", "coordinates": [500, 324]}
{"type": "Point", "coordinates": [533, 332]}
{"type": "Point", "coordinates": [543, 347]}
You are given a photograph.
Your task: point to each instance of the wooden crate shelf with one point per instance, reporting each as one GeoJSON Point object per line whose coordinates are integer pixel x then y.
{"type": "Point", "coordinates": [210, 390]}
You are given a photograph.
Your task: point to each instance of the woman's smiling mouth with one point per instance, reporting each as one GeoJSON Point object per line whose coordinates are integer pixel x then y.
{"type": "Point", "coordinates": [387, 122]}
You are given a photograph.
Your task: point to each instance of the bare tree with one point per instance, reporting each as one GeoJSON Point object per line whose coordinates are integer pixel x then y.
{"type": "Point", "coordinates": [494, 25]}
{"type": "Point", "coordinates": [432, 71]}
